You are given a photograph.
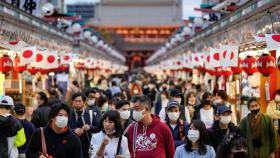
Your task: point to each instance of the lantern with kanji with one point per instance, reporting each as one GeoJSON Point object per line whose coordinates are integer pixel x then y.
{"type": "Point", "coordinates": [266, 64]}
{"type": "Point", "coordinates": [237, 69]}
{"type": "Point", "coordinates": [278, 63]}
{"type": "Point", "coordinates": [249, 65]}
{"type": "Point", "coordinates": [6, 64]}
{"type": "Point", "coordinates": [17, 67]}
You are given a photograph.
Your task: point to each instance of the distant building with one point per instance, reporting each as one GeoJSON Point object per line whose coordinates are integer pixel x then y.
{"type": "Point", "coordinates": [85, 10]}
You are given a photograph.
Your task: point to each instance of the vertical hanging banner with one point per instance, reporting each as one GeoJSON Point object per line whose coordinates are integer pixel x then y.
{"type": "Point", "coordinates": [27, 55]}
{"type": "Point", "coordinates": [228, 56]}
{"type": "Point", "coordinates": [214, 57]}
{"type": "Point", "coordinates": [272, 41]}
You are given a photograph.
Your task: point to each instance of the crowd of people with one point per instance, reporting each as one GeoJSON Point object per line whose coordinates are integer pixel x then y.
{"type": "Point", "coordinates": [138, 116]}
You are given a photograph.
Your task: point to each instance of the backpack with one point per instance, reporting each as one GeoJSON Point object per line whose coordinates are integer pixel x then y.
{"type": "Point", "coordinates": [4, 147]}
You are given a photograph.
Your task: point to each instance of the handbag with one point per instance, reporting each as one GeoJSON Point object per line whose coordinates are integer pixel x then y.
{"type": "Point", "coordinates": [44, 146]}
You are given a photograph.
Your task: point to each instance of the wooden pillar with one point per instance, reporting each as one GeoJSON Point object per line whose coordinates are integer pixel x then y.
{"type": "Point", "coordinates": [263, 100]}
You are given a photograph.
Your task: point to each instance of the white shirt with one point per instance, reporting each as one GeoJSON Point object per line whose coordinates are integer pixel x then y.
{"type": "Point", "coordinates": [162, 115]}
{"type": "Point", "coordinates": [110, 149]}
{"type": "Point", "coordinates": [207, 117]}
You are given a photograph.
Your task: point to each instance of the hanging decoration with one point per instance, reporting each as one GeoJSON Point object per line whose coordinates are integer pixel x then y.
{"type": "Point", "coordinates": [266, 64]}
{"type": "Point", "coordinates": [238, 69]}
{"type": "Point", "coordinates": [249, 65]}
{"type": "Point", "coordinates": [6, 64]}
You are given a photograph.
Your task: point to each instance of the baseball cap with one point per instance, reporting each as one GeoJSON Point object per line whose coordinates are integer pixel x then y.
{"type": "Point", "coordinates": [175, 92]}
{"type": "Point", "coordinates": [223, 109]}
{"type": "Point", "coordinates": [19, 108]}
{"type": "Point", "coordinates": [172, 103]}
{"type": "Point", "coordinates": [6, 100]}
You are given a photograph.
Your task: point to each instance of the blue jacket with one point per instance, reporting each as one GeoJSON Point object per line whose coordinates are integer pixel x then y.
{"type": "Point", "coordinates": [175, 132]}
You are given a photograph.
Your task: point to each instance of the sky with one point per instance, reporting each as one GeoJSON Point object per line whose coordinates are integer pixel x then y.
{"type": "Point", "coordinates": [188, 6]}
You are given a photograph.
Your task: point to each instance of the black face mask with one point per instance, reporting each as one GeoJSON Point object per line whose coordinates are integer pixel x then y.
{"type": "Point", "coordinates": [255, 111]}
{"type": "Point", "coordinates": [241, 154]}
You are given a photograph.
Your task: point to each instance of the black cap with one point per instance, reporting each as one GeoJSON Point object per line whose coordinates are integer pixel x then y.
{"type": "Point", "coordinates": [19, 108]}
{"type": "Point", "coordinates": [175, 92]}
{"type": "Point", "coordinates": [172, 103]}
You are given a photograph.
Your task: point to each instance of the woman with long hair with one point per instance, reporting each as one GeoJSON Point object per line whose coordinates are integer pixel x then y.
{"type": "Point", "coordinates": [196, 140]}
{"type": "Point", "coordinates": [109, 142]}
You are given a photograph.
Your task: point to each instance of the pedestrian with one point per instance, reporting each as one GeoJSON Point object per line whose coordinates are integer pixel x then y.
{"type": "Point", "coordinates": [191, 103]}
{"type": "Point", "coordinates": [123, 108]}
{"type": "Point", "coordinates": [28, 127]}
{"type": "Point", "coordinates": [221, 98]}
{"type": "Point", "coordinates": [92, 95]}
{"type": "Point", "coordinates": [258, 129]}
{"type": "Point", "coordinates": [40, 116]}
{"type": "Point", "coordinates": [72, 89]}
{"type": "Point", "coordinates": [196, 143]}
{"type": "Point", "coordinates": [114, 88]}
{"type": "Point", "coordinates": [149, 137]}
{"type": "Point", "coordinates": [56, 139]}
{"type": "Point", "coordinates": [11, 131]}
{"type": "Point", "coordinates": [233, 146]}
{"type": "Point", "coordinates": [82, 121]}
{"type": "Point", "coordinates": [273, 110]}
{"type": "Point", "coordinates": [205, 111]}
{"type": "Point", "coordinates": [109, 142]}
{"type": "Point", "coordinates": [161, 101]}
{"type": "Point", "coordinates": [221, 127]}
{"type": "Point", "coordinates": [177, 126]}
{"type": "Point", "coordinates": [175, 94]}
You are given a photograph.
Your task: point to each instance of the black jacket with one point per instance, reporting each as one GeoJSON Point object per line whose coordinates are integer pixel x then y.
{"type": "Point", "coordinates": [216, 135]}
{"type": "Point", "coordinates": [40, 116]}
{"type": "Point", "coordinates": [65, 145]}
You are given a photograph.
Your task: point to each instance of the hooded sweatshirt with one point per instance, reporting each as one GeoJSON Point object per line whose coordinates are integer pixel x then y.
{"type": "Point", "coordinates": [11, 136]}
{"type": "Point", "coordinates": [154, 141]}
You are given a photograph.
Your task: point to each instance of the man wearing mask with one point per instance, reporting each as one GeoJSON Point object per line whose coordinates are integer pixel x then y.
{"type": "Point", "coordinates": [40, 116]}
{"type": "Point", "coordinates": [82, 122]}
{"type": "Point", "coordinates": [221, 127]}
{"type": "Point", "coordinates": [92, 95]}
{"type": "Point", "coordinates": [175, 94]}
{"type": "Point", "coordinates": [178, 127]}
{"type": "Point", "coordinates": [258, 129]}
{"type": "Point", "coordinates": [273, 110]}
{"type": "Point", "coordinates": [149, 137]}
{"type": "Point", "coordinates": [56, 139]}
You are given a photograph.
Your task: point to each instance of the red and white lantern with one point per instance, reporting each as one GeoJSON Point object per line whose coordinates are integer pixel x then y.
{"type": "Point", "coordinates": [249, 65]}
{"type": "Point", "coordinates": [6, 64]}
{"type": "Point", "coordinates": [266, 64]}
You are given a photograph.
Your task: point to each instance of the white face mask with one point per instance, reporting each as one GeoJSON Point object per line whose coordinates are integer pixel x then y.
{"type": "Point", "coordinates": [218, 101]}
{"type": "Point", "coordinates": [91, 102]}
{"type": "Point", "coordinates": [138, 115]}
{"type": "Point", "coordinates": [193, 135]}
{"type": "Point", "coordinates": [277, 98]}
{"type": "Point", "coordinates": [61, 121]}
{"type": "Point", "coordinates": [173, 115]}
{"type": "Point", "coordinates": [125, 114]}
{"type": "Point", "coordinates": [135, 91]}
{"type": "Point", "coordinates": [225, 119]}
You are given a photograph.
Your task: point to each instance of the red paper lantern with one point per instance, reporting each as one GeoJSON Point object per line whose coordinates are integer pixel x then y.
{"type": "Point", "coordinates": [18, 68]}
{"type": "Point", "coordinates": [218, 71]}
{"type": "Point", "coordinates": [266, 64]}
{"type": "Point", "coordinates": [249, 65]}
{"type": "Point", "coordinates": [238, 69]}
{"type": "Point", "coordinates": [64, 67]}
{"type": "Point", "coordinates": [32, 70]}
{"type": "Point", "coordinates": [210, 71]}
{"type": "Point", "coordinates": [43, 71]}
{"type": "Point", "coordinates": [6, 64]}
{"type": "Point", "coordinates": [80, 65]}
{"type": "Point", "coordinates": [227, 72]}
{"type": "Point", "coordinates": [278, 63]}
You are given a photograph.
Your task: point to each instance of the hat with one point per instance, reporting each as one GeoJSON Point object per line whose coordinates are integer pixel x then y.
{"type": "Point", "coordinates": [175, 92]}
{"type": "Point", "coordinates": [6, 100]}
{"type": "Point", "coordinates": [172, 103]}
{"type": "Point", "coordinates": [20, 108]}
{"type": "Point", "coordinates": [222, 109]}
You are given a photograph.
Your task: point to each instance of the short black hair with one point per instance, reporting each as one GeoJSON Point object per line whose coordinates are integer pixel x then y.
{"type": "Point", "coordinates": [144, 100]}
{"type": "Point", "coordinates": [79, 94]}
{"type": "Point", "coordinates": [43, 96]}
{"type": "Point", "coordinates": [135, 98]}
{"type": "Point", "coordinates": [252, 99]}
{"type": "Point", "coordinates": [119, 95]}
{"type": "Point", "coordinates": [56, 107]}
{"type": "Point", "coordinates": [205, 96]}
{"type": "Point", "coordinates": [121, 103]}
{"type": "Point", "coordinates": [91, 90]}
{"type": "Point", "coordinates": [75, 83]}
{"type": "Point", "coordinates": [53, 93]}
{"type": "Point", "coordinates": [222, 94]}
{"type": "Point", "coordinates": [114, 116]}
{"type": "Point", "coordinates": [114, 83]}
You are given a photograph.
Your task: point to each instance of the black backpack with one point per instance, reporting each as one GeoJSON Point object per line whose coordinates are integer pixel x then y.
{"type": "Point", "coordinates": [3, 147]}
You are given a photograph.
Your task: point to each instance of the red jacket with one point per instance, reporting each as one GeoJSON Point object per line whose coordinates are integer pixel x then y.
{"type": "Point", "coordinates": [154, 141]}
